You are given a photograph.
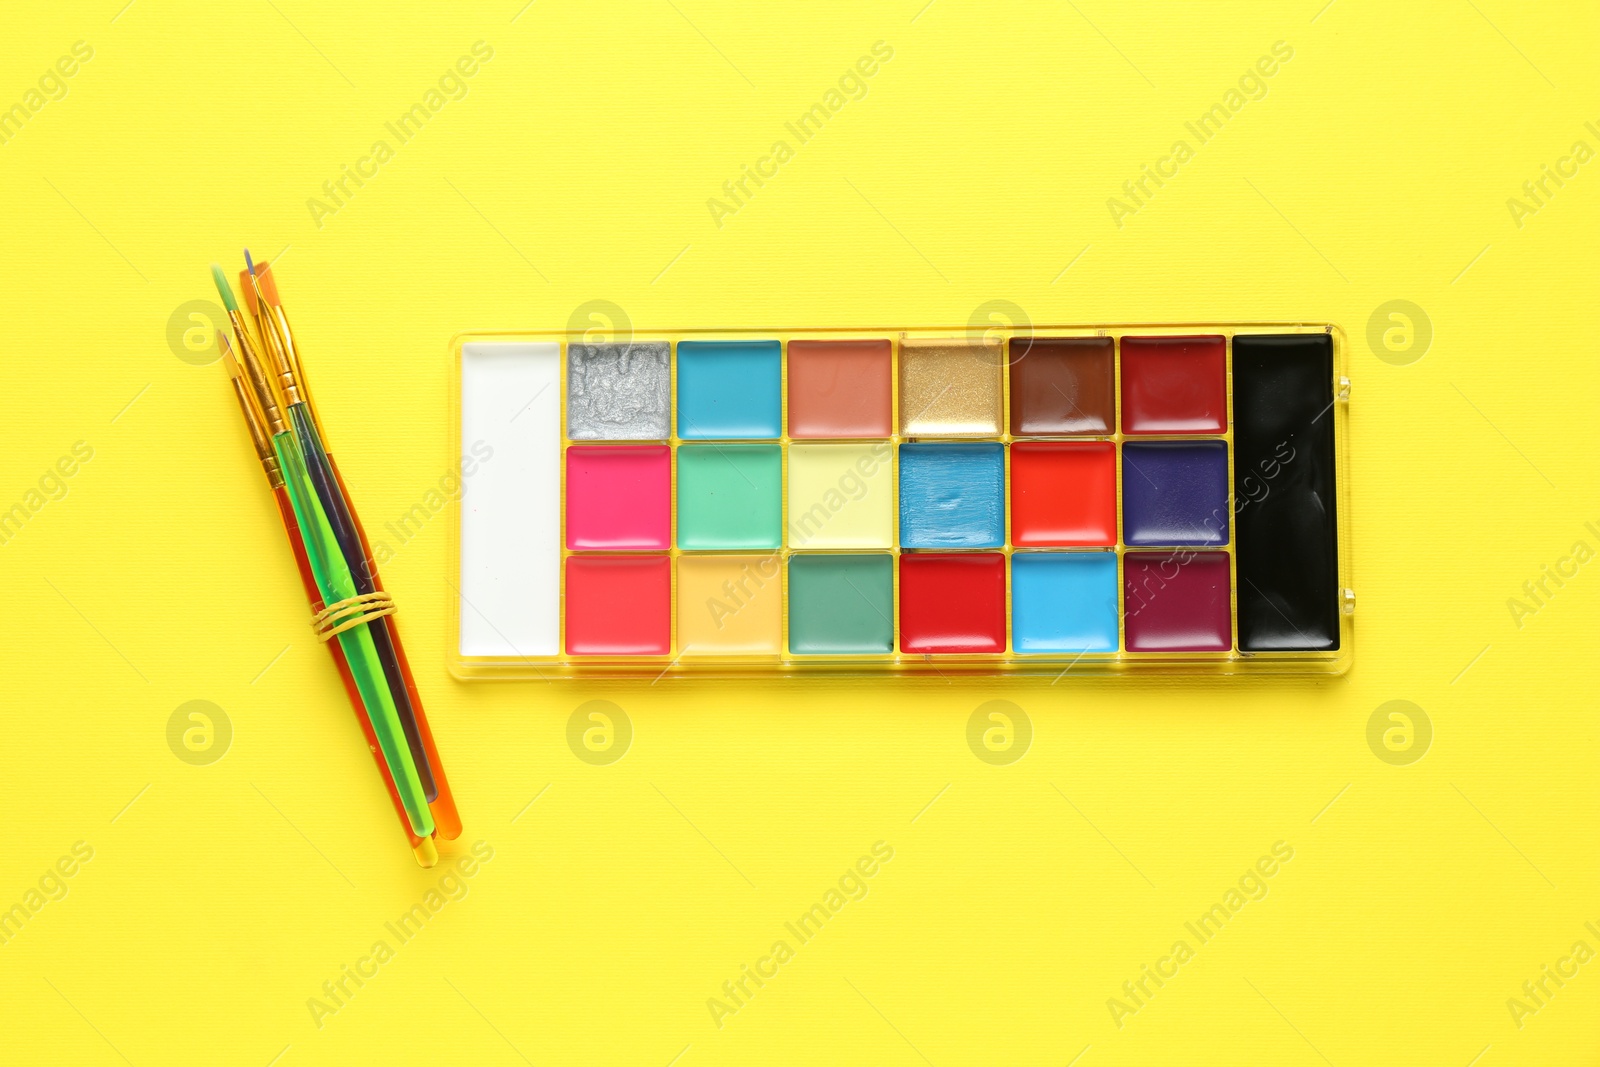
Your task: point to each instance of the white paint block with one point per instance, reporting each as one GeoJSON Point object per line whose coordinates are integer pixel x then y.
{"type": "Point", "coordinates": [511, 505]}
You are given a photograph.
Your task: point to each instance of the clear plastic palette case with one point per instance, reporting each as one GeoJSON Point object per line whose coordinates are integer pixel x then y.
{"type": "Point", "coordinates": [1055, 501]}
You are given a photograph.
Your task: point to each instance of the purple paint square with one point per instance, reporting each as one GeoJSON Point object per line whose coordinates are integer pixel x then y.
{"type": "Point", "coordinates": [1176, 602]}
{"type": "Point", "coordinates": [1175, 492]}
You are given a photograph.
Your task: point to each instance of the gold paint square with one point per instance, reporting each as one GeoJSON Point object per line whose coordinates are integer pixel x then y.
{"type": "Point", "coordinates": [950, 388]}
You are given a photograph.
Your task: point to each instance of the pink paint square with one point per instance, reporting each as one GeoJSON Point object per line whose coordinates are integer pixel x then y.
{"type": "Point", "coordinates": [619, 496]}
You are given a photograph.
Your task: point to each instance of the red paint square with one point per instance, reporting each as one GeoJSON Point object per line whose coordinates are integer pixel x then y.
{"type": "Point", "coordinates": [1063, 493]}
{"type": "Point", "coordinates": [953, 602]}
{"type": "Point", "coordinates": [618, 605]}
{"type": "Point", "coordinates": [1176, 602]}
{"type": "Point", "coordinates": [1174, 385]}
{"type": "Point", "coordinates": [839, 389]}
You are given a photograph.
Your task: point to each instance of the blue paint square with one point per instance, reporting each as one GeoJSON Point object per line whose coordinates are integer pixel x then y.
{"type": "Point", "coordinates": [1064, 601]}
{"type": "Point", "coordinates": [952, 495]}
{"type": "Point", "coordinates": [1175, 492]}
{"type": "Point", "coordinates": [729, 389]}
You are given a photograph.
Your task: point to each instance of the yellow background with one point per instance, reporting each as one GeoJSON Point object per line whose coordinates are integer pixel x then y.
{"type": "Point", "coordinates": [977, 167]}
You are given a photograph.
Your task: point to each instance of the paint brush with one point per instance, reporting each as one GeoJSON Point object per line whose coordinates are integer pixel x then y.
{"type": "Point", "coordinates": [336, 505]}
{"type": "Point", "coordinates": [336, 583]}
{"type": "Point", "coordinates": [334, 496]}
{"type": "Point", "coordinates": [427, 854]}
{"type": "Point", "coordinates": [261, 293]}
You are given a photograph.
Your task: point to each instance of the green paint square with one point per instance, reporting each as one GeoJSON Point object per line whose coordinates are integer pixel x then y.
{"type": "Point", "coordinates": [840, 604]}
{"type": "Point", "coordinates": [730, 496]}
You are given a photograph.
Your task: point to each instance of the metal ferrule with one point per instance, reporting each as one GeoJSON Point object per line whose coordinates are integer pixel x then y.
{"type": "Point", "coordinates": [283, 366]}
{"type": "Point", "coordinates": [258, 433]}
{"type": "Point", "coordinates": [260, 380]}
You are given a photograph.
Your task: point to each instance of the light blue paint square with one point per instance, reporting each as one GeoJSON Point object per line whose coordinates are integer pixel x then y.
{"type": "Point", "coordinates": [952, 495]}
{"type": "Point", "coordinates": [1064, 601]}
{"type": "Point", "coordinates": [729, 390]}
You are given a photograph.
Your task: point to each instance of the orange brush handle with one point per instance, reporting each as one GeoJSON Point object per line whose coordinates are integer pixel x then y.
{"type": "Point", "coordinates": [310, 582]}
{"type": "Point", "coordinates": [446, 818]}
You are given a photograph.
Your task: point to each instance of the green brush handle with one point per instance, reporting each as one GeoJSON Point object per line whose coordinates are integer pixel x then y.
{"type": "Point", "coordinates": [336, 583]}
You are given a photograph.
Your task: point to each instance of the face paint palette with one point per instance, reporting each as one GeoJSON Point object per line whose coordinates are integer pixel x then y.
{"type": "Point", "coordinates": [899, 502]}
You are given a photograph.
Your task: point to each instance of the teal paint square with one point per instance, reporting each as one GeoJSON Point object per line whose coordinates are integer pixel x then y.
{"type": "Point", "coordinates": [730, 496]}
{"type": "Point", "coordinates": [841, 604]}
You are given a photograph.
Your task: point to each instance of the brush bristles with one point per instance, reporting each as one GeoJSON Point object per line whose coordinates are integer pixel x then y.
{"type": "Point", "coordinates": [268, 283]}
{"type": "Point", "coordinates": [250, 299]}
{"type": "Point", "coordinates": [226, 348]}
{"type": "Point", "coordinates": [224, 290]}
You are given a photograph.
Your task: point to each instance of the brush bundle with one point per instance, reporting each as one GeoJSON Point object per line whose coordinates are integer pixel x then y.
{"type": "Point", "coordinates": [350, 611]}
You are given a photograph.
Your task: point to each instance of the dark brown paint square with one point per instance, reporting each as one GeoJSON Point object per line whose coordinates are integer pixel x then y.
{"type": "Point", "coordinates": [1062, 386]}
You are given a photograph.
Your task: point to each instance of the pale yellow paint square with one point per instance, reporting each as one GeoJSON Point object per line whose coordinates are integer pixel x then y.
{"type": "Point", "coordinates": [730, 605]}
{"type": "Point", "coordinates": [841, 496]}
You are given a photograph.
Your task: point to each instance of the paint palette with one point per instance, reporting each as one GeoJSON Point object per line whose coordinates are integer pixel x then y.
{"type": "Point", "coordinates": [872, 501]}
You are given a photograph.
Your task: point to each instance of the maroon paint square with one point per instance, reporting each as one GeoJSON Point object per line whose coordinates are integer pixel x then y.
{"type": "Point", "coordinates": [1177, 602]}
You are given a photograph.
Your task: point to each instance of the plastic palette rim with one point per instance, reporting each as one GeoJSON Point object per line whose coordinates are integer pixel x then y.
{"type": "Point", "coordinates": [1048, 667]}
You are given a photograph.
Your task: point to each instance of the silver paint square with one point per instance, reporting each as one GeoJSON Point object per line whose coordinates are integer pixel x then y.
{"type": "Point", "coordinates": [619, 392]}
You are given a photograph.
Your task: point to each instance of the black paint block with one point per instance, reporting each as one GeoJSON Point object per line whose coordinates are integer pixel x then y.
{"type": "Point", "coordinates": [1286, 524]}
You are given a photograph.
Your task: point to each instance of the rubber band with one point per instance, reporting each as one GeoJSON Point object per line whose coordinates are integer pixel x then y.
{"type": "Point", "coordinates": [351, 612]}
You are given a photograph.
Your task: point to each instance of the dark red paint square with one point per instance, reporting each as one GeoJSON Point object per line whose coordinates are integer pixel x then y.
{"type": "Point", "coordinates": [1177, 602]}
{"type": "Point", "coordinates": [1063, 493]}
{"type": "Point", "coordinates": [1174, 385]}
{"type": "Point", "coordinates": [619, 605]}
{"type": "Point", "coordinates": [953, 602]}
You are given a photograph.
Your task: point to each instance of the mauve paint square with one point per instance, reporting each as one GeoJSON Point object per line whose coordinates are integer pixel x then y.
{"type": "Point", "coordinates": [1176, 602]}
